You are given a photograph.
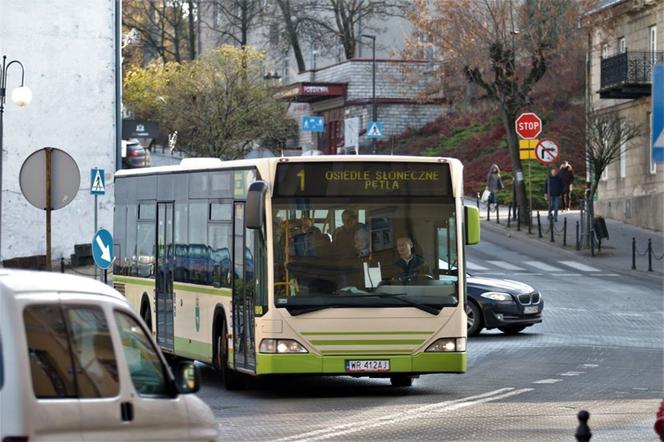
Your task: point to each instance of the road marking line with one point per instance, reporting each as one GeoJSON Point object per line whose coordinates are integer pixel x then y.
{"type": "Point", "coordinates": [605, 274]}
{"type": "Point", "coordinates": [578, 266]}
{"type": "Point", "coordinates": [571, 373]}
{"type": "Point", "coordinates": [542, 266]}
{"type": "Point", "coordinates": [505, 265]}
{"type": "Point", "coordinates": [568, 274]}
{"type": "Point", "coordinates": [410, 414]}
{"type": "Point", "coordinates": [547, 381]}
{"type": "Point", "coordinates": [472, 266]}
{"type": "Point", "coordinates": [590, 365]}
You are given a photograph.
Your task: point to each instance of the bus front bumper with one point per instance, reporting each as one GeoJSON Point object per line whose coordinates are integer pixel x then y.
{"type": "Point", "coordinates": [421, 363]}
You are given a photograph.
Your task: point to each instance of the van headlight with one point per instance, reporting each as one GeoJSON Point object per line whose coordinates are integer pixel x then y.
{"type": "Point", "coordinates": [448, 344]}
{"type": "Point", "coordinates": [497, 296]}
{"type": "Point", "coordinates": [281, 346]}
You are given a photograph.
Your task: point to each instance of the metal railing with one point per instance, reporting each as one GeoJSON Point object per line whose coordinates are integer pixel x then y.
{"type": "Point", "coordinates": [629, 68]}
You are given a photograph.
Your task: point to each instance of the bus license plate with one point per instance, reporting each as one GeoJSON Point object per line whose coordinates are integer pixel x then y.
{"type": "Point", "coordinates": [530, 309]}
{"type": "Point", "coordinates": [364, 366]}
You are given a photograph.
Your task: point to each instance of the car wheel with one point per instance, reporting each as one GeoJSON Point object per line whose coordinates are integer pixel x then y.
{"type": "Point", "coordinates": [401, 381]}
{"type": "Point", "coordinates": [512, 329]}
{"type": "Point", "coordinates": [474, 318]}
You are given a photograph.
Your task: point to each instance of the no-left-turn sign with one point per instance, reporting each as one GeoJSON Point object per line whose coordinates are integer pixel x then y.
{"type": "Point", "coordinates": [547, 151]}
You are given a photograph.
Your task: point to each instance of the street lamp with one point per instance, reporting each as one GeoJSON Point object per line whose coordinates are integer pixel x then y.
{"type": "Point", "coordinates": [374, 115]}
{"type": "Point", "coordinates": [21, 96]}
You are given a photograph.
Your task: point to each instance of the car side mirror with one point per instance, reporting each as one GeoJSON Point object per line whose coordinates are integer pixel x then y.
{"type": "Point", "coordinates": [188, 378]}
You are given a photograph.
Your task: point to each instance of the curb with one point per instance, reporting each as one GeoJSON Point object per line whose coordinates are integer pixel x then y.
{"type": "Point", "coordinates": [510, 233]}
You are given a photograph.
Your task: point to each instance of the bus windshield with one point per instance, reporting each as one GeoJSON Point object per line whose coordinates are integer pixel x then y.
{"type": "Point", "coordinates": [334, 252]}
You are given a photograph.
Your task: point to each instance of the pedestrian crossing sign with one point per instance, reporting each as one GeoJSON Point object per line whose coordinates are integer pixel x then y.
{"type": "Point", "coordinates": [374, 129]}
{"type": "Point", "coordinates": [97, 185]}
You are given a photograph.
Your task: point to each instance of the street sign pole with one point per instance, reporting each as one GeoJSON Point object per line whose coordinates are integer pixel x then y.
{"type": "Point", "coordinates": [95, 229]}
{"type": "Point", "coordinates": [530, 194]}
{"type": "Point", "coordinates": [48, 209]}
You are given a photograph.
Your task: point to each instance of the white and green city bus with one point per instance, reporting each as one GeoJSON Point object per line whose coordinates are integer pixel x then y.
{"type": "Point", "coordinates": [292, 265]}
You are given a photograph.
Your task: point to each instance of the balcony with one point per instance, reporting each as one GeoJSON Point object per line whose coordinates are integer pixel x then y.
{"type": "Point", "coordinates": [628, 75]}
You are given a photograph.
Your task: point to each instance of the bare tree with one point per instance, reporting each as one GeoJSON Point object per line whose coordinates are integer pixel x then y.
{"type": "Point", "coordinates": [290, 22]}
{"type": "Point", "coordinates": [233, 20]}
{"type": "Point", "coordinates": [503, 48]}
{"type": "Point", "coordinates": [607, 137]}
{"type": "Point", "coordinates": [163, 26]}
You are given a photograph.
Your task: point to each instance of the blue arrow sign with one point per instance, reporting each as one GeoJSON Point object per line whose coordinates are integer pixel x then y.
{"type": "Point", "coordinates": [374, 129]}
{"type": "Point", "coordinates": [657, 116]}
{"type": "Point", "coordinates": [97, 184]}
{"type": "Point", "coordinates": [102, 249]}
{"type": "Point", "coordinates": [313, 124]}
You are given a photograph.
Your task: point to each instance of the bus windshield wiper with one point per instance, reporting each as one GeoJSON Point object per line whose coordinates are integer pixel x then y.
{"type": "Point", "coordinates": [403, 298]}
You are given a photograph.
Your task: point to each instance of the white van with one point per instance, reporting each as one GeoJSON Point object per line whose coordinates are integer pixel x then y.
{"type": "Point", "coordinates": [77, 365]}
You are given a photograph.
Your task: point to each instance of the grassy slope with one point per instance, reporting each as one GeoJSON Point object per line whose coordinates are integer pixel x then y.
{"type": "Point", "coordinates": [478, 140]}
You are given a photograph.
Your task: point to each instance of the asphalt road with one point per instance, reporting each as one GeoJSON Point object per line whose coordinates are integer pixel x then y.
{"type": "Point", "coordinates": [600, 348]}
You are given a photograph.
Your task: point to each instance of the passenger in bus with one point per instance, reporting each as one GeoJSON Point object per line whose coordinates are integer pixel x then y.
{"type": "Point", "coordinates": [409, 265]}
{"type": "Point", "coordinates": [352, 268]}
{"type": "Point", "coordinates": [344, 236]}
{"type": "Point", "coordinates": [308, 240]}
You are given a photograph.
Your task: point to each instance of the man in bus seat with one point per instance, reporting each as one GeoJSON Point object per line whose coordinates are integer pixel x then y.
{"type": "Point", "coordinates": [352, 268]}
{"type": "Point", "coordinates": [344, 236]}
{"type": "Point", "coordinates": [409, 265]}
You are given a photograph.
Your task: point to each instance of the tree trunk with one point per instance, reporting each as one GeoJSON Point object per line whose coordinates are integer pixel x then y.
{"type": "Point", "coordinates": [284, 6]}
{"type": "Point", "coordinates": [192, 31]}
{"type": "Point", "coordinates": [517, 169]}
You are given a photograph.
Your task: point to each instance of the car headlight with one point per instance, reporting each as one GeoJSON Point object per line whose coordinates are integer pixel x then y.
{"type": "Point", "coordinates": [448, 344]}
{"type": "Point", "coordinates": [497, 296]}
{"type": "Point", "coordinates": [281, 346]}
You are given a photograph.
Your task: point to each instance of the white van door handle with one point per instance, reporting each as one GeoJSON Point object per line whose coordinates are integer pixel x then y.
{"type": "Point", "coordinates": [127, 411]}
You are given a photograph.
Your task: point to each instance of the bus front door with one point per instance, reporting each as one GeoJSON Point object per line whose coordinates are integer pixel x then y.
{"type": "Point", "coordinates": [164, 277]}
{"type": "Point", "coordinates": [244, 354]}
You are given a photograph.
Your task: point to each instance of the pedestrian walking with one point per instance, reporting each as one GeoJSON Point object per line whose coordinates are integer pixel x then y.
{"type": "Point", "coordinates": [567, 175]}
{"type": "Point", "coordinates": [493, 184]}
{"type": "Point", "coordinates": [553, 189]}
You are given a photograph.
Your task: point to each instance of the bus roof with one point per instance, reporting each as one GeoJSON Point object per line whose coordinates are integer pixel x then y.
{"type": "Point", "coordinates": [201, 164]}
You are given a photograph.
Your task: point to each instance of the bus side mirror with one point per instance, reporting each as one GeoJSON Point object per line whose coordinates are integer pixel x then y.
{"type": "Point", "coordinates": [255, 208]}
{"type": "Point", "coordinates": [472, 221]}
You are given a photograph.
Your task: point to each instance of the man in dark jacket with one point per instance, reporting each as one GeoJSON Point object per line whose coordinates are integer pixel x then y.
{"type": "Point", "coordinates": [553, 189]}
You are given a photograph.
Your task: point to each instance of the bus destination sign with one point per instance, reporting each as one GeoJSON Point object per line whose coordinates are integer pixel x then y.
{"type": "Point", "coordinates": [363, 179]}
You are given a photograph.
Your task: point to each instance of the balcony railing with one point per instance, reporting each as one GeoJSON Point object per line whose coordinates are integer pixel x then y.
{"type": "Point", "coordinates": [628, 75]}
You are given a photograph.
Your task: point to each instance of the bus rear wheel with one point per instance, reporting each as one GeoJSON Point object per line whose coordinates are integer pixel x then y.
{"type": "Point", "coordinates": [401, 381]}
{"type": "Point", "coordinates": [232, 379]}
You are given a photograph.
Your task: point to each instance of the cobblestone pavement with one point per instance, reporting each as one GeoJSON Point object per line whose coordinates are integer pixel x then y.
{"type": "Point", "coordinates": [599, 348]}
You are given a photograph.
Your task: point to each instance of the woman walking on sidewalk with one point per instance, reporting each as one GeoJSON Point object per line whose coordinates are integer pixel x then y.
{"type": "Point", "coordinates": [493, 184]}
{"type": "Point", "coordinates": [567, 176]}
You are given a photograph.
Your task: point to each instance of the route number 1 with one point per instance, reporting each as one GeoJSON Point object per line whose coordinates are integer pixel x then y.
{"type": "Point", "coordinates": [301, 175]}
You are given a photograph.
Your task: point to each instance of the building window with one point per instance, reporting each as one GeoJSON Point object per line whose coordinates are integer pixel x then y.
{"type": "Point", "coordinates": [649, 144]}
{"type": "Point", "coordinates": [622, 47]}
{"type": "Point", "coordinates": [623, 159]}
{"type": "Point", "coordinates": [285, 70]}
{"type": "Point", "coordinates": [605, 51]}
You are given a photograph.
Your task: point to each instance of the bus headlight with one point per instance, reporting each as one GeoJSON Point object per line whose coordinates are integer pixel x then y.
{"type": "Point", "coordinates": [281, 346]}
{"type": "Point", "coordinates": [448, 344]}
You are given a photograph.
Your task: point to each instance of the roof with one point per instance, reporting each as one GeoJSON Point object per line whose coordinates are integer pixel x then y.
{"type": "Point", "coordinates": [14, 282]}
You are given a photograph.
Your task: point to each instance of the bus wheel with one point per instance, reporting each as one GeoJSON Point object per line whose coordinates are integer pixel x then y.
{"type": "Point", "coordinates": [512, 329]}
{"type": "Point", "coordinates": [232, 379]}
{"type": "Point", "coordinates": [401, 381]}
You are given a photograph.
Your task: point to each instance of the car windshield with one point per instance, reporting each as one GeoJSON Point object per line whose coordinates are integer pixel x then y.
{"type": "Point", "coordinates": [396, 252]}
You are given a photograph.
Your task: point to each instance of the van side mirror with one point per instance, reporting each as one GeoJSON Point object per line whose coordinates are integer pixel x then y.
{"type": "Point", "coordinates": [255, 209]}
{"type": "Point", "coordinates": [188, 378]}
{"type": "Point", "coordinates": [472, 222]}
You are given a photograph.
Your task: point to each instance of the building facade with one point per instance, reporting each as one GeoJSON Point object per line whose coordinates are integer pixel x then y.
{"type": "Point", "coordinates": [625, 41]}
{"type": "Point", "coordinates": [69, 54]}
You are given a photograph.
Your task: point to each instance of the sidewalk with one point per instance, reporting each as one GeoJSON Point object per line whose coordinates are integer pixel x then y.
{"type": "Point", "coordinates": [616, 252]}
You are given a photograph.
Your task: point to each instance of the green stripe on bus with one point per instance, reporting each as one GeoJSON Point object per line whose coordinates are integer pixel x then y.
{"type": "Point", "coordinates": [198, 350]}
{"type": "Point", "coordinates": [367, 333]}
{"type": "Point", "coordinates": [367, 342]}
{"type": "Point", "coordinates": [203, 289]}
{"type": "Point", "coordinates": [384, 351]}
{"type": "Point", "coordinates": [133, 280]}
{"type": "Point", "coordinates": [452, 362]}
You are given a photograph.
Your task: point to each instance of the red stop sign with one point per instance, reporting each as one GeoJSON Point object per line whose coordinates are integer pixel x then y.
{"type": "Point", "coordinates": [528, 125]}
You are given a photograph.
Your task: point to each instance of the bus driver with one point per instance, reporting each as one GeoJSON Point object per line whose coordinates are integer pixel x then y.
{"type": "Point", "coordinates": [409, 265]}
